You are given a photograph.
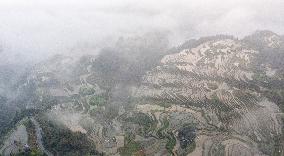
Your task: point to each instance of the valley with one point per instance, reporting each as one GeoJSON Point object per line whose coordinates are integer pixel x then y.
{"type": "Point", "coordinates": [215, 96]}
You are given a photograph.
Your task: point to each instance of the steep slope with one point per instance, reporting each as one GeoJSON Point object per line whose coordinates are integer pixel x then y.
{"type": "Point", "coordinates": [222, 78]}
{"type": "Point", "coordinates": [214, 96]}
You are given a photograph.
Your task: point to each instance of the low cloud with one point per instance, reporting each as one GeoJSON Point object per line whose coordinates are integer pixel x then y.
{"type": "Point", "coordinates": [34, 29]}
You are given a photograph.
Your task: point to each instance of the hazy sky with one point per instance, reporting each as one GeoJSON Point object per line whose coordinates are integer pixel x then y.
{"type": "Point", "coordinates": [37, 28]}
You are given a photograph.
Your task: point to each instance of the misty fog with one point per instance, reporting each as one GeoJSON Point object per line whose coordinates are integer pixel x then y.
{"type": "Point", "coordinates": [33, 29]}
{"type": "Point", "coordinates": [139, 78]}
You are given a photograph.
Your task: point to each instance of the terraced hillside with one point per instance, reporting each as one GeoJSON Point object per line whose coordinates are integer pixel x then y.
{"type": "Point", "coordinates": [226, 81]}
{"type": "Point", "coordinates": [213, 96]}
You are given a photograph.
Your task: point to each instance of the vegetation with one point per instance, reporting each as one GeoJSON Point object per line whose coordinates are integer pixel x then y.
{"type": "Point", "coordinates": [186, 136]}
{"type": "Point", "coordinates": [143, 120]}
{"type": "Point", "coordinates": [171, 142]}
{"type": "Point", "coordinates": [32, 140]}
{"type": "Point", "coordinates": [85, 90]}
{"type": "Point", "coordinates": [165, 126]}
{"type": "Point", "coordinates": [97, 100]}
{"type": "Point", "coordinates": [61, 141]}
{"type": "Point", "coordinates": [164, 104]}
{"type": "Point", "coordinates": [33, 152]}
{"type": "Point", "coordinates": [191, 147]}
{"type": "Point", "coordinates": [18, 116]}
{"type": "Point", "coordinates": [130, 146]}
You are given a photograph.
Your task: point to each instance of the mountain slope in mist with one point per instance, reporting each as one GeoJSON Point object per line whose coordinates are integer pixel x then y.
{"type": "Point", "coordinates": [217, 95]}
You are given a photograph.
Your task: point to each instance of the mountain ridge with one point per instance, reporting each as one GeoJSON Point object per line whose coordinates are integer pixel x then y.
{"type": "Point", "coordinates": [227, 93]}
